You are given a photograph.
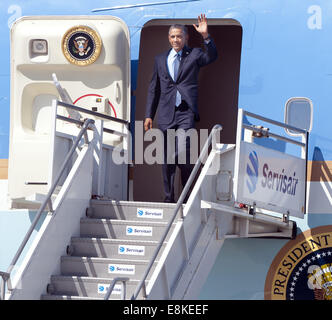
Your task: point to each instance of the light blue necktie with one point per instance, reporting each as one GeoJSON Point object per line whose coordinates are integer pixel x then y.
{"type": "Point", "coordinates": [176, 65]}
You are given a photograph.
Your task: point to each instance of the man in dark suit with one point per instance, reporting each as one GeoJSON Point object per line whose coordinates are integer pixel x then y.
{"type": "Point", "coordinates": [173, 90]}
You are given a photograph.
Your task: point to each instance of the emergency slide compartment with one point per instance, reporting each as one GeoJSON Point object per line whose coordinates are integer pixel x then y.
{"type": "Point", "coordinates": [90, 57]}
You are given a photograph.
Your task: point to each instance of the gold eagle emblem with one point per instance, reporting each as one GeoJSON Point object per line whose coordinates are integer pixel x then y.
{"type": "Point", "coordinates": [81, 45]}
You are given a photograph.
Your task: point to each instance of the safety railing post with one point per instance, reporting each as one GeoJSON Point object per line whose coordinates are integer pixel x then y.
{"type": "Point", "coordinates": [123, 281]}
{"type": "Point", "coordinates": [5, 277]}
{"type": "Point", "coordinates": [98, 154]}
{"type": "Point", "coordinates": [123, 292]}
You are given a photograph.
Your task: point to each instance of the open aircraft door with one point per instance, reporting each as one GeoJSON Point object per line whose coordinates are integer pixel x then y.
{"type": "Point", "coordinates": [90, 58]}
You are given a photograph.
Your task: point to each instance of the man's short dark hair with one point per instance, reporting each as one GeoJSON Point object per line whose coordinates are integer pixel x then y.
{"type": "Point", "coordinates": [178, 26]}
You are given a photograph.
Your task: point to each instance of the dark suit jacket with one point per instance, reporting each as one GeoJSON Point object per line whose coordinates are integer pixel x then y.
{"type": "Point", "coordinates": [162, 88]}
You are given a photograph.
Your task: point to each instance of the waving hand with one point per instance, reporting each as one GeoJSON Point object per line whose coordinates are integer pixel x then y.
{"type": "Point", "coordinates": [202, 27]}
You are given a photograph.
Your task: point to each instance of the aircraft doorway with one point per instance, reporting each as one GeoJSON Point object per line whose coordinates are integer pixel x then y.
{"type": "Point", "coordinates": [217, 95]}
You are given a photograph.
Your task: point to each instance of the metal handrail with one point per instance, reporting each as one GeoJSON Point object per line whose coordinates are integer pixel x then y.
{"type": "Point", "coordinates": [6, 275]}
{"type": "Point", "coordinates": [273, 135]}
{"type": "Point", "coordinates": [277, 123]}
{"type": "Point", "coordinates": [79, 122]}
{"type": "Point", "coordinates": [111, 287]}
{"type": "Point", "coordinates": [215, 129]}
{"type": "Point", "coordinates": [93, 113]}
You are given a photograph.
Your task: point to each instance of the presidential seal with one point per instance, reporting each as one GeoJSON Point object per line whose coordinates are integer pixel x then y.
{"type": "Point", "coordinates": [81, 45]}
{"type": "Point", "coordinates": [302, 270]}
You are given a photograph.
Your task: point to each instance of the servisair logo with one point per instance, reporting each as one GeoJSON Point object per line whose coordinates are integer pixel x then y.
{"type": "Point", "coordinates": [252, 171]}
{"type": "Point", "coordinates": [266, 176]}
{"type": "Point", "coordinates": [302, 270]}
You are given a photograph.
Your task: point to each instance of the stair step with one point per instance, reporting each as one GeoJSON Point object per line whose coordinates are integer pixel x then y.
{"type": "Point", "coordinates": [89, 287]}
{"type": "Point", "coordinates": [113, 248]}
{"type": "Point", "coordinates": [103, 267]}
{"type": "Point", "coordinates": [132, 210]}
{"type": "Point", "coordinates": [117, 239]}
{"type": "Point", "coordinates": [124, 229]}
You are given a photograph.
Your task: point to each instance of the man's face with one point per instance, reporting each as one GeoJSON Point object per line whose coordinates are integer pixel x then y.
{"type": "Point", "coordinates": [177, 39]}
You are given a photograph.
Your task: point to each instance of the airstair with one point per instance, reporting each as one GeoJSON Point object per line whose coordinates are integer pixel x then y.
{"type": "Point", "coordinates": [93, 247]}
{"type": "Point", "coordinates": [117, 241]}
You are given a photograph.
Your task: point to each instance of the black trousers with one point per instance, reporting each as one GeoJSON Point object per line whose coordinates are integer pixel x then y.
{"type": "Point", "coordinates": [177, 149]}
